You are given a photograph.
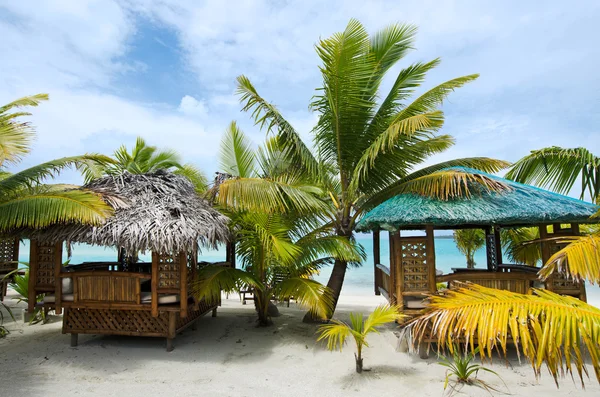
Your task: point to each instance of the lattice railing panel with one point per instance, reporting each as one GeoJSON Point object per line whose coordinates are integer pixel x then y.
{"type": "Point", "coordinates": [45, 265]}
{"type": "Point", "coordinates": [106, 321]}
{"type": "Point", "coordinates": [559, 282]}
{"type": "Point", "coordinates": [414, 266]}
{"type": "Point", "coordinates": [7, 254]}
{"type": "Point", "coordinates": [168, 271]}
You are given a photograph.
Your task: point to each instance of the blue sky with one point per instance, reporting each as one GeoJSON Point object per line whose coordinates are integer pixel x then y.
{"type": "Point", "coordinates": [166, 70]}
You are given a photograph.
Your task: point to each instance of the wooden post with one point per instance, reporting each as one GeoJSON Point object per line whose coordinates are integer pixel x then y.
{"type": "Point", "coordinates": [57, 278]}
{"type": "Point", "coordinates": [376, 260]}
{"type": "Point", "coordinates": [172, 329]}
{"type": "Point", "coordinates": [546, 254]}
{"type": "Point", "coordinates": [430, 257]}
{"type": "Point", "coordinates": [33, 264]}
{"type": "Point", "coordinates": [15, 256]}
{"type": "Point", "coordinates": [392, 285]}
{"type": "Point", "coordinates": [498, 246]}
{"type": "Point", "coordinates": [183, 285]}
{"type": "Point", "coordinates": [154, 285]}
{"type": "Point", "coordinates": [398, 275]}
{"type": "Point", "coordinates": [74, 340]}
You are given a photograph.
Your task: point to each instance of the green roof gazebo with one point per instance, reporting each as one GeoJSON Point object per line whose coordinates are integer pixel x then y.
{"type": "Point", "coordinates": [412, 272]}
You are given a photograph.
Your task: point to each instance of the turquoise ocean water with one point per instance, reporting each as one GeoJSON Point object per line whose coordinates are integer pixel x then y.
{"type": "Point", "coordinates": [358, 281]}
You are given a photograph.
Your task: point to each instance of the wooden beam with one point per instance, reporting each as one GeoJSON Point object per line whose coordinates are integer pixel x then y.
{"type": "Point", "coordinates": [498, 241]}
{"type": "Point", "coordinates": [183, 285]}
{"type": "Point", "coordinates": [376, 260]}
{"type": "Point", "coordinates": [392, 286]}
{"type": "Point", "coordinates": [57, 279]}
{"type": "Point", "coordinates": [430, 257]}
{"type": "Point", "coordinates": [33, 265]}
{"type": "Point", "coordinates": [154, 284]}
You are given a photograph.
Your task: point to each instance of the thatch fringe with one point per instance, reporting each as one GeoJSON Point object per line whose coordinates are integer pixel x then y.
{"type": "Point", "coordinates": [159, 212]}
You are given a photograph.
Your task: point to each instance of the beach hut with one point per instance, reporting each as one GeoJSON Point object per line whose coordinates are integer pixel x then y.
{"type": "Point", "coordinates": [412, 273]}
{"type": "Point", "coordinates": [158, 213]}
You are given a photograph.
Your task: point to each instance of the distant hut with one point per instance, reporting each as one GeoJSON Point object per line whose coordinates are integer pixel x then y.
{"type": "Point", "coordinates": [159, 213]}
{"type": "Point", "coordinates": [412, 274]}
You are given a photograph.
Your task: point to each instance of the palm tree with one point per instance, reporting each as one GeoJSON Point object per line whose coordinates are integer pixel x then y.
{"type": "Point", "coordinates": [559, 169]}
{"type": "Point", "coordinates": [278, 251]}
{"type": "Point", "coordinates": [518, 247]}
{"type": "Point", "coordinates": [468, 241]}
{"type": "Point", "coordinates": [24, 200]}
{"type": "Point", "coordinates": [365, 149]}
{"type": "Point", "coordinates": [144, 159]}
{"type": "Point", "coordinates": [336, 332]}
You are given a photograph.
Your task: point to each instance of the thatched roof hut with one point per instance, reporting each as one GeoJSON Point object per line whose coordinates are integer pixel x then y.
{"type": "Point", "coordinates": [519, 205]}
{"type": "Point", "coordinates": [159, 212]}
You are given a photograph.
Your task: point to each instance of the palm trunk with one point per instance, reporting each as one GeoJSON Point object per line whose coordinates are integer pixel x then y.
{"type": "Point", "coordinates": [359, 363]}
{"type": "Point", "coordinates": [261, 303]}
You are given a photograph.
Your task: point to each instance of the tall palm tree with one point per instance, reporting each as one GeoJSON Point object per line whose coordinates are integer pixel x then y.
{"type": "Point", "coordinates": [24, 200]}
{"type": "Point", "coordinates": [559, 169]}
{"type": "Point", "coordinates": [367, 143]}
{"type": "Point", "coordinates": [468, 241]}
{"type": "Point", "coordinates": [278, 251]}
{"type": "Point", "coordinates": [143, 159]}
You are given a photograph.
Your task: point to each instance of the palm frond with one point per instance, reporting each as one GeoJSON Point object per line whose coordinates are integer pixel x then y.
{"type": "Point", "coordinates": [517, 245]}
{"type": "Point", "coordinates": [237, 156]}
{"type": "Point", "coordinates": [382, 314]}
{"type": "Point", "coordinates": [308, 293]}
{"type": "Point", "coordinates": [36, 174]}
{"type": "Point", "coordinates": [448, 184]}
{"type": "Point", "coordinates": [15, 136]}
{"type": "Point", "coordinates": [40, 207]}
{"type": "Point", "coordinates": [211, 280]}
{"type": "Point", "coordinates": [579, 260]}
{"type": "Point", "coordinates": [194, 175]}
{"type": "Point", "coordinates": [336, 333]}
{"type": "Point", "coordinates": [270, 196]}
{"type": "Point", "coordinates": [545, 327]}
{"type": "Point", "coordinates": [558, 169]}
{"type": "Point", "coordinates": [268, 117]}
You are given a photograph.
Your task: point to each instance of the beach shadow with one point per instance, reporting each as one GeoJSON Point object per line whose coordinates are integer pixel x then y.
{"type": "Point", "coordinates": [373, 374]}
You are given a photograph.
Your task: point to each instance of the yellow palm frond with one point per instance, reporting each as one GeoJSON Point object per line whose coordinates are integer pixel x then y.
{"type": "Point", "coordinates": [545, 327]}
{"type": "Point", "coordinates": [447, 184]}
{"type": "Point", "coordinates": [579, 260]}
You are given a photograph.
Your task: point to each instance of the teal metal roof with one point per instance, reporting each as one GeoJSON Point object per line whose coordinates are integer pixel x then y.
{"type": "Point", "coordinates": [521, 205]}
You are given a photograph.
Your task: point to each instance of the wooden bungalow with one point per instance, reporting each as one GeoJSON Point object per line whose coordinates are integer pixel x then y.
{"type": "Point", "coordinates": [412, 274]}
{"type": "Point", "coordinates": [158, 213]}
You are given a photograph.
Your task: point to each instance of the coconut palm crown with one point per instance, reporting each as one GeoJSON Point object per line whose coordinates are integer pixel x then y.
{"type": "Point", "coordinates": [367, 143]}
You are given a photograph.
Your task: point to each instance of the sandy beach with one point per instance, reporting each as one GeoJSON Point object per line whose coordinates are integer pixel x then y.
{"type": "Point", "coordinates": [229, 356]}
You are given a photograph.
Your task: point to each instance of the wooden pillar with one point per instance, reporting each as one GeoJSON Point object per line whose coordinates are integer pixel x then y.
{"type": "Point", "coordinates": [230, 253]}
{"type": "Point", "coordinates": [430, 257]}
{"type": "Point", "coordinates": [546, 254]}
{"type": "Point", "coordinates": [183, 284]}
{"type": "Point", "coordinates": [498, 246]}
{"type": "Point", "coordinates": [33, 265]}
{"type": "Point", "coordinates": [57, 278]}
{"type": "Point", "coordinates": [154, 285]}
{"type": "Point", "coordinates": [15, 254]}
{"type": "Point", "coordinates": [172, 330]}
{"type": "Point", "coordinates": [376, 260]}
{"type": "Point", "coordinates": [392, 284]}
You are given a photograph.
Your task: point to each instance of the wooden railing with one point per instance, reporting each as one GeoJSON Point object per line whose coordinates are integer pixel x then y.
{"type": "Point", "coordinates": [382, 280]}
{"type": "Point", "coordinates": [514, 281]}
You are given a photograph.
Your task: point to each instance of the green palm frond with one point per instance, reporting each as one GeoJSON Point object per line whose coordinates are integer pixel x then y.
{"type": "Point", "coordinates": [267, 195]}
{"type": "Point", "coordinates": [579, 260]}
{"type": "Point", "coordinates": [36, 174]}
{"type": "Point", "coordinates": [545, 327]}
{"type": "Point", "coordinates": [518, 247]}
{"type": "Point", "coordinates": [308, 293]}
{"type": "Point", "coordinates": [268, 117]}
{"type": "Point", "coordinates": [559, 169]}
{"type": "Point", "coordinates": [16, 136]}
{"type": "Point", "coordinates": [194, 175]}
{"type": "Point", "coordinates": [211, 280]}
{"type": "Point", "coordinates": [40, 207]}
{"type": "Point", "coordinates": [237, 156]}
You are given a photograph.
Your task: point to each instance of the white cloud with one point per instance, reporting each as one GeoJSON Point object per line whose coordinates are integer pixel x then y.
{"type": "Point", "coordinates": [193, 107]}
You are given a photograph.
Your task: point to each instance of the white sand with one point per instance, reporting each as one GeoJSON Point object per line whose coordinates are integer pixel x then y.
{"type": "Point", "coordinates": [229, 356]}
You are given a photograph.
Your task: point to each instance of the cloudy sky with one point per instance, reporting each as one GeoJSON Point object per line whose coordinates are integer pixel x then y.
{"type": "Point", "coordinates": [165, 70]}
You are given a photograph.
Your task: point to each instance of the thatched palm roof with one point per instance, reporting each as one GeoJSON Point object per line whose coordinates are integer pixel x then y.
{"type": "Point", "coordinates": [518, 206]}
{"type": "Point", "coordinates": [158, 212]}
